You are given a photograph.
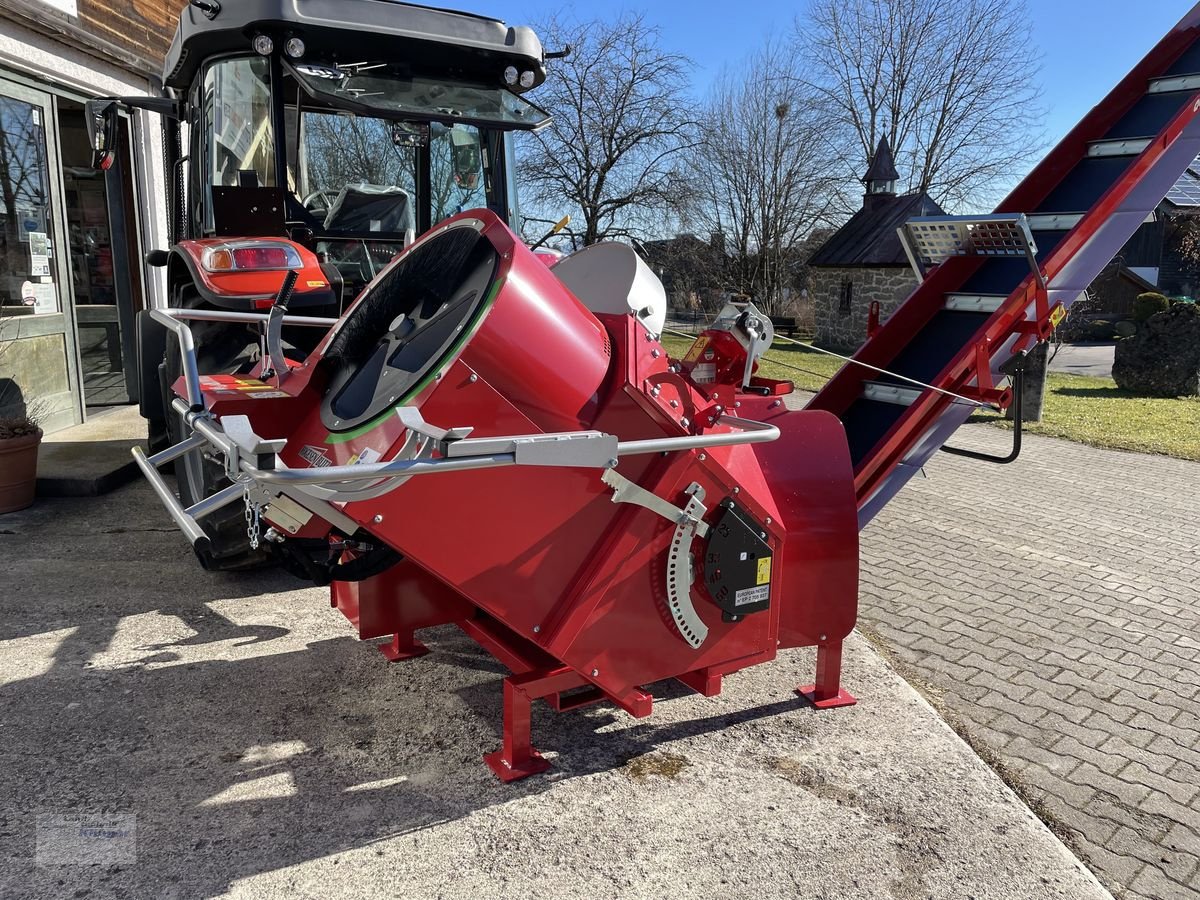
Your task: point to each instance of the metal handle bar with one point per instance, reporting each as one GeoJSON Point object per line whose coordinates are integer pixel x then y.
{"type": "Point", "coordinates": [187, 524]}
{"type": "Point", "coordinates": [218, 315]}
{"type": "Point", "coordinates": [751, 433]}
{"type": "Point", "coordinates": [187, 351]}
{"type": "Point", "coordinates": [173, 318]}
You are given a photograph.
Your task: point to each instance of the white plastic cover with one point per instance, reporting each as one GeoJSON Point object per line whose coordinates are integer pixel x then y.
{"type": "Point", "coordinates": [611, 278]}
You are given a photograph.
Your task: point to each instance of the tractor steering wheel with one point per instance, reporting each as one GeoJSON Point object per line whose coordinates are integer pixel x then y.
{"type": "Point", "coordinates": [322, 195]}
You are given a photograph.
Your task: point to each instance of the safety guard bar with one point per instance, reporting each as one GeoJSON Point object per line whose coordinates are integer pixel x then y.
{"type": "Point", "coordinates": [243, 449]}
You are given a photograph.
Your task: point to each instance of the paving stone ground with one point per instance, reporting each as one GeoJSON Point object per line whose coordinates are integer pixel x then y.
{"type": "Point", "coordinates": [1052, 607]}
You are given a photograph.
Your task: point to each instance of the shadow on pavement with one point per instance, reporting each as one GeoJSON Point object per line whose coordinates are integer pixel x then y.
{"type": "Point", "coordinates": [242, 748]}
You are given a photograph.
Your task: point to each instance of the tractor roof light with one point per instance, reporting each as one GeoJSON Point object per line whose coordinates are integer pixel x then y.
{"type": "Point", "coordinates": [294, 48]}
{"type": "Point", "coordinates": [527, 79]}
{"type": "Point", "coordinates": [263, 45]}
{"type": "Point", "coordinates": [510, 76]}
{"type": "Point", "coordinates": [252, 256]}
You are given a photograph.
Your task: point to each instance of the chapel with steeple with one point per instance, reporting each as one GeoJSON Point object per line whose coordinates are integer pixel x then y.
{"type": "Point", "coordinates": [863, 261]}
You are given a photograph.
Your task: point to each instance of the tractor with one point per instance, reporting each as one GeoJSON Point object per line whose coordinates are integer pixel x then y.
{"type": "Point", "coordinates": [321, 137]}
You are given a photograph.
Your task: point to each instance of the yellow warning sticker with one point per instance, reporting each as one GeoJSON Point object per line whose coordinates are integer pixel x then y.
{"type": "Point", "coordinates": [696, 349]}
{"type": "Point", "coordinates": [764, 570]}
{"type": "Point", "coordinates": [234, 383]}
{"type": "Point", "coordinates": [1057, 315]}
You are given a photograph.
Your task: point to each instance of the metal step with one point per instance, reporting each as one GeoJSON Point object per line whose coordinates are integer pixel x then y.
{"type": "Point", "coordinates": [1126, 147]}
{"type": "Point", "coordinates": [1174, 83]}
{"type": "Point", "coordinates": [931, 240]}
{"type": "Point", "coordinates": [896, 394]}
{"type": "Point", "coordinates": [987, 303]}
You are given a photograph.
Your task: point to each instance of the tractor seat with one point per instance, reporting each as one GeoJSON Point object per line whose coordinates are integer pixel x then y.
{"type": "Point", "coordinates": [369, 208]}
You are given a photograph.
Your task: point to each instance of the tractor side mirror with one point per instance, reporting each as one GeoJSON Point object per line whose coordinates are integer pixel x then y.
{"type": "Point", "coordinates": [101, 117]}
{"type": "Point", "coordinates": [410, 135]}
{"type": "Point", "coordinates": [467, 157]}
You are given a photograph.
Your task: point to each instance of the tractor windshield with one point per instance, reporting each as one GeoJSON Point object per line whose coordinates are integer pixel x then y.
{"type": "Point", "coordinates": [362, 166]}
{"type": "Point", "coordinates": [359, 174]}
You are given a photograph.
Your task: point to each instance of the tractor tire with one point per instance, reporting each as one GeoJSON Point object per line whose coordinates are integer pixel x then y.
{"type": "Point", "coordinates": [221, 348]}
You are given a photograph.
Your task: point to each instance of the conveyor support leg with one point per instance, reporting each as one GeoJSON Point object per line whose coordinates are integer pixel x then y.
{"type": "Point", "coordinates": [827, 692]}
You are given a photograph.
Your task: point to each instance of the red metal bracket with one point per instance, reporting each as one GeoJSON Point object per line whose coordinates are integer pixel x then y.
{"type": "Point", "coordinates": [827, 692]}
{"type": "Point", "coordinates": [403, 646]}
{"type": "Point", "coordinates": [517, 757]}
{"type": "Point", "coordinates": [703, 681]}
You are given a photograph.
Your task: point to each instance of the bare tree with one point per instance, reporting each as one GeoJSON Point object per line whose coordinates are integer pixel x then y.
{"type": "Point", "coordinates": [622, 123]}
{"type": "Point", "coordinates": [766, 169]}
{"type": "Point", "coordinates": [949, 82]}
{"type": "Point", "coordinates": [345, 149]}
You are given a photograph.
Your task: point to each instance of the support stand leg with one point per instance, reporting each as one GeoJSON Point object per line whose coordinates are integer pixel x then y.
{"type": "Point", "coordinates": [827, 692]}
{"type": "Point", "coordinates": [516, 759]}
{"type": "Point", "coordinates": [403, 646]}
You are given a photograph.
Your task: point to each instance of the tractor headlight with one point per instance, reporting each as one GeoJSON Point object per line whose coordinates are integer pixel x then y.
{"type": "Point", "coordinates": [294, 48]}
{"type": "Point", "coordinates": [263, 45]}
{"type": "Point", "coordinates": [510, 76]}
{"type": "Point", "coordinates": [527, 79]}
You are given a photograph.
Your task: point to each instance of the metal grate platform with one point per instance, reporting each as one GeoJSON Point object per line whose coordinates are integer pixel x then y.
{"type": "Point", "coordinates": [932, 240]}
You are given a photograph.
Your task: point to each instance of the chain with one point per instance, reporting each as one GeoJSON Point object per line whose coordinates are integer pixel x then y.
{"type": "Point", "coordinates": [253, 518]}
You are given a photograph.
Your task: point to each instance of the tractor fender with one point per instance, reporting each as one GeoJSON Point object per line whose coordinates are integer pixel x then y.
{"type": "Point", "coordinates": [151, 348]}
{"type": "Point", "coordinates": [248, 291]}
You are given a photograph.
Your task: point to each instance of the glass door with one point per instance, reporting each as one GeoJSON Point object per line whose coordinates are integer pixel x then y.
{"type": "Point", "coordinates": [37, 341]}
{"type": "Point", "coordinates": [100, 252]}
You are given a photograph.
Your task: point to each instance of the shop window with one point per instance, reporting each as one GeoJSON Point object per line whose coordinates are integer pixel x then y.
{"type": "Point", "coordinates": [26, 246]}
{"type": "Point", "coordinates": [846, 298]}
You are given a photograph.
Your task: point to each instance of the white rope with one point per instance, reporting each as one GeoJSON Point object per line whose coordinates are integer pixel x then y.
{"type": "Point", "coordinates": [957, 397]}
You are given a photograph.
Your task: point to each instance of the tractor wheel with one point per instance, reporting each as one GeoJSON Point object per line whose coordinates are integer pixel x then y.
{"type": "Point", "coordinates": [228, 349]}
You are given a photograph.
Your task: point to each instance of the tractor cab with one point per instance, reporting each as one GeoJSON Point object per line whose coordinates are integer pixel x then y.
{"type": "Point", "coordinates": [347, 128]}
{"type": "Point", "coordinates": [306, 145]}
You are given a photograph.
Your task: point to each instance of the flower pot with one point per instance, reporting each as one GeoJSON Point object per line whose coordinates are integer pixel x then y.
{"type": "Point", "coordinates": [18, 471]}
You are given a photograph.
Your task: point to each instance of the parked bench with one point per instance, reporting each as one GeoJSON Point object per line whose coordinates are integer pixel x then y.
{"type": "Point", "coordinates": [785, 324]}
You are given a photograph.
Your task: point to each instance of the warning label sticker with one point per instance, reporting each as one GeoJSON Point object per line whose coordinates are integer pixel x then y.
{"type": "Point", "coordinates": [232, 384]}
{"type": "Point", "coordinates": [748, 596]}
{"type": "Point", "coordinates": [365, 457]}
{"type": "Point", "coordinates": [697, 348]}
{"type": "Point", "coordinates": [704, 373]}
{"type": "Point", "coordinates": [764, 570]}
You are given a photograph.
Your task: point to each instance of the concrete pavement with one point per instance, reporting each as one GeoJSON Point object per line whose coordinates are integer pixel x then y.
{"type": "Point", "coordinates": [93, 458]}
{"type": "Point", "coordinates": [248, 746]}
{"type": "Point", "coordinates": [1051, 607]}
{"type": "Point", "coordinates": [1095, 360]}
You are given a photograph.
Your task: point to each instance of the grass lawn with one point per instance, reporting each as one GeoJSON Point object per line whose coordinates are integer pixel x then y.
{"type": "Point", "coordinates": [1078, 408]}
{"type": "Point", "coordinates": [818, 368]}
{"type": "Point", "coordinates": [1095, 411]}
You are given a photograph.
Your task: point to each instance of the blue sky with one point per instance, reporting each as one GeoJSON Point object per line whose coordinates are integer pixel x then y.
{"type": "Point", "coordinates": [1085, 46]}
